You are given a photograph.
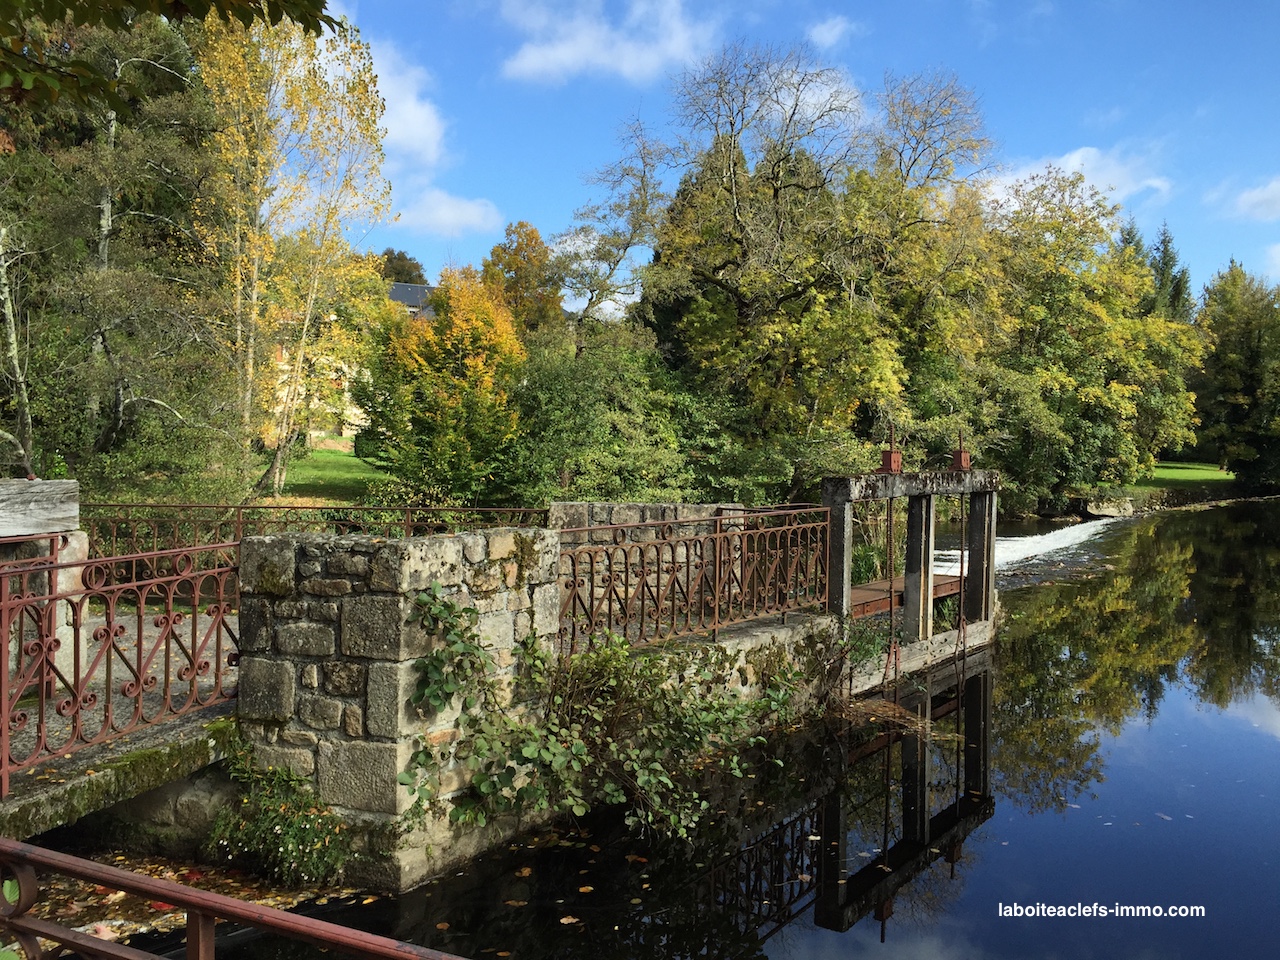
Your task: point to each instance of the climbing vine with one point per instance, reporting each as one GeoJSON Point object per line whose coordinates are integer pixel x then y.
{"type": "Point", "coordinates": [609, 725]}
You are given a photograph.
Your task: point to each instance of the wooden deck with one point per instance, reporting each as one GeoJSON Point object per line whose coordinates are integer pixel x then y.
{"type": "Point", "coordinates": [868, 599]}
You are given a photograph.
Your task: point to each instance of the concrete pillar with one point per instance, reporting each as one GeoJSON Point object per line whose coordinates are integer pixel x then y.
{"type": "Point", "coordinates": [977, 734]}
{"type": "Point", "coordinates": [835, 496]}
{"type": "Point", "coordinates": [917, 590]}
{"type": "Point", "coordinates": [980, 579]}
{"type": "Point", "coordinates": [915, 785]}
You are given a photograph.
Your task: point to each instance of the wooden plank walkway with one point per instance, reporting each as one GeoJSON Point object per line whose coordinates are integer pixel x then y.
{"type": "Point", "coordinates": [868, 599]}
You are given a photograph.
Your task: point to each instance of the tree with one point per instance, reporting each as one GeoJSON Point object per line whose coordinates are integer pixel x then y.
{"type": "Point", "coordinates": [1087, 389]}
{"type": "Point", "coordinates": [438, 392]}
{"type": "Point", "coordinates": [1239, 395]}
{"type": "Point", "coordinates": [399, 267]}
{"type": "Point", "coordinates": [300, 151]}
{"type": "Point", "coordinates": [37, 64]}
{"type": "Point", "coordinates": [523, 268]}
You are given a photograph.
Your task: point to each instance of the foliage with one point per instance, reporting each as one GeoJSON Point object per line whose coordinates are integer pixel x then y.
{"type": "Point", "coordinates": [399, 267]}
{"type": "Point", "coordinates": [279, 830]}
{"type": "Point", "coordinates": [523, 269]}
{"type": "Point", "coordinates": [1239, 395]}
{"type": "Point", "coordinates": [604, 726]}
{"type": "Point", "coordinates": [35, 68]}
{"type": "Point", "coordinates": [437, 391]}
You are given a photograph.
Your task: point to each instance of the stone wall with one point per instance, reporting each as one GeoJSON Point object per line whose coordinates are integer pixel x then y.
{"type": "Point", "coordinates": [326, 668]}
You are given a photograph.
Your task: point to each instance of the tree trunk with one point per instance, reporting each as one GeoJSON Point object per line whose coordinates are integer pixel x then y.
{"type": "Point", "coordinates": [14, 372]}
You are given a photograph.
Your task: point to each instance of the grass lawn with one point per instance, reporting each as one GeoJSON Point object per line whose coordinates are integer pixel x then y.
{"type": "Point", "coordinates": [1184, 476]}
{"type": "Point", "coordinates": [333, 475]}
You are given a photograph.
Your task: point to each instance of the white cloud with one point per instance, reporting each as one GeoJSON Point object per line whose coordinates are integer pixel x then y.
{"type": "Point", "coordinates": [1260, 203]}
{"type": "Point", "coordinates": [1118, 173]}
{"type": "Point", "coordinates": [831, 31]}
{"type": "Point", "coordinates": [570, 37]}
{"type": "Point", "coordinates": [416, 152]}
{"type": "Point", "coordinates": [1258, 710]}
{"type": "Point", "coordinates": [428, 208]}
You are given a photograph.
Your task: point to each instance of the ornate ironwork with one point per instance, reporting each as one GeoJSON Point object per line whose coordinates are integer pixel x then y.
{"type": "Point", "coordinates": [95, 650]}
{"type": "Point", "coordinates": [19, 863]}
{"type": "Point", "coordinates": [117, 528]}
{"type": "Point", "coordinates": [661, 580]}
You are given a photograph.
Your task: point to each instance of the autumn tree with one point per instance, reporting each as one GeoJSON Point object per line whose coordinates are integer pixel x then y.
{"type": "Point", "coordinates": [438, 392]}
{"type": "Point", "coordinates": [300, 152]}
{"type": "Point", "coordinates": [528, 276]}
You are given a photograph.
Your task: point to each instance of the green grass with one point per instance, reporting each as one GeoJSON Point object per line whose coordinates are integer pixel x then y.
{"type": "Point", "coordinates": [1186, 476]}
{"type": "Point", "coordinates": [335, 475]}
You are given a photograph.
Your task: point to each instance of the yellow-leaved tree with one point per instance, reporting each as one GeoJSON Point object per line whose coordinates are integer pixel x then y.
{"type": "Point", "coordinates": [299, 146]}
{"type": "Point", "coordinates": [437, 392]}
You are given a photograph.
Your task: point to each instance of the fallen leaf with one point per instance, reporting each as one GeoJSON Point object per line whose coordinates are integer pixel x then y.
{"type": "Point", "coordinates": [516, 903]}
{"type": "Point", "coordinates": [585, 889]}
{"type": "Point", "coordinates": [524, 871]}
{"type": "Point", "coordinates": [103, 932]}
{"type": "Point", "coordinates": [1164, 816]}
{"type": "Point", "coordinates": [568, 920]}
{"type": "Point", "coordinates": [442, 926]}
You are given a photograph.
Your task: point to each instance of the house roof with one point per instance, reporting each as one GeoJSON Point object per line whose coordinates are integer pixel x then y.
{"type": "Point", "coordinates": [412, 295]}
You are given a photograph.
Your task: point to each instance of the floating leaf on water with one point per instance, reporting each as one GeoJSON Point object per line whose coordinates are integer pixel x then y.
{"type": "Point", "coordinates": [442, 925]}
{"type": "Point", "coordinates": [568, 920]}
{"type": "Point", "coordinates": [632, 858]}
{"type": "Point", "coordinates": [814, 836]}
{"type": "Point", "coordinates": [586, 889]}
{"type": "Point", "coordinates": [1074, 806]}
{"type": "Point", "coordinates": [368, 899]}
{"type": "Point", "coordinates": [636, 900]}
{"type": "Point", "coordinates": [516, 903]}
{"type": "Point", "coordinates": [1188, 816]}
{"type": "Point", "coordinates": [864, 854]}
{"type": "Point", "coordinates": [1164, 816]}
{"type": "Point", "coordinates": [524, 871]}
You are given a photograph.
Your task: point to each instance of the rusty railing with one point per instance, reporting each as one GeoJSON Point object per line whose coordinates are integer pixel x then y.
{"type": "Point", "coordinates": [21, 862]}
{"type": "Point", "coordinates": [120, 528]}
{"type": "Point", "coordinates": [94, 650]}
{"type": "Point", "coordinates": [658, 581]}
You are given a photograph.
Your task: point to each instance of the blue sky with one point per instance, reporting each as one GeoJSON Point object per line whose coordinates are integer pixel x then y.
{"type": "Point", "coordinates": [498, 110]}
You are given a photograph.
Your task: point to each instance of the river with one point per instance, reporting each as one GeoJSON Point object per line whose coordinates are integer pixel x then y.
{"type": "Point", "coordinates": [1129, 757]}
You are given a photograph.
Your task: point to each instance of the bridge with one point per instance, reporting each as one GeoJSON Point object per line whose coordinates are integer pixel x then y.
{"type": "Point", "coordinates": [123, 640]}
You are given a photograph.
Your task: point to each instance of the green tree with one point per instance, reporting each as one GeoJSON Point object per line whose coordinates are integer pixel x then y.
{"type": "Point", "coordinates": [399, 267]}
{"type": "Point", "coordinates": [35, 67]}
{"type": "Point", "coordinates": [1239, 395]}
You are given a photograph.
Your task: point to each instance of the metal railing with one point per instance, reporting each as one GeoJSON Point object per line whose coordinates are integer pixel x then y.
{"type": "Point", "coordinates": [20, 862]}
{"type": "Point", "coordinates": [659, 581]}
{"type": "Point", "coordinates": [94, 650]}
{"type": "Point", "coordinates": [119, 528]}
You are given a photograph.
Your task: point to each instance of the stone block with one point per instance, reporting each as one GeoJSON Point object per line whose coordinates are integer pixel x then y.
{"type": "Point", "coordinates": [546, 609]}
{"type": "Point", "coordinates": [402, 566]}
{"type": "Point", "coordinates": [267, 690]}
{"type": "Point", "coordinates": [306, 639]}
{"type": "Point", "coordinates": [267, 566]}
{"type": "Point", "coordinates": [353, 721]}
{"type": "Point", "coordinates": [255, 625]}
{"type": "Point", "coordinates": [502, 544]}
{"type": "Point", "coordinates": [375, 627]}
{"type": "Point", "coordinates": [292, 609]}
{"type": "Point", "coordinates": [388, 711]}
{"type": "Point", "coordinates": [311, 676]}
{"type": "Point", "coordinates": [320, 713]}
{"type": "Point", "coordinates": [347, 565]}
{"type": "Point", "coordinates": [324, 611]}
{"type": "Point", "coordinates": [497, 629]}
{"type": "Point", "coordinates": [318, 587]}
{"type": "Point", "coordinates": [362, 776]}
{"type": "Point", "coordinates": [297, 760]}
{"type": "Point", "coordinates": [568, 516]}
{"type": "Point", "coordinates": [344, 679]}
{"type": "Point", "coordinates": [474, 547]}
{"type": "Point", "coordinates": [299, 738]}
{"type": "Point", "coordinates": [309, 568]}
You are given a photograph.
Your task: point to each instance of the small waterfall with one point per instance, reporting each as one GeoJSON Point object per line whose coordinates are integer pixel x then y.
{"type": "Point", "coordinates": [1010, 551]}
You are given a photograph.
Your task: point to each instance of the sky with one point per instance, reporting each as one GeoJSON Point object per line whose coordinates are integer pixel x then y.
{"type": "Point", "coordinates": [499, 111]}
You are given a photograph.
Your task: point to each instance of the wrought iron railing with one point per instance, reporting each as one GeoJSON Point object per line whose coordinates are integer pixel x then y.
{"type": "Point", "coordinates": [21, 863]}
{"type": "Point", "coordinates": [94, 650]}
{"type": "Point", "coordinates": [658, 581]}
{"type": "Point", "coordinates": [120, 528]}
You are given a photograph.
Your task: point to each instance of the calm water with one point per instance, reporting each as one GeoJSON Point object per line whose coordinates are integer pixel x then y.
{"type": "Point", "coordinates": [1130, 754]}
